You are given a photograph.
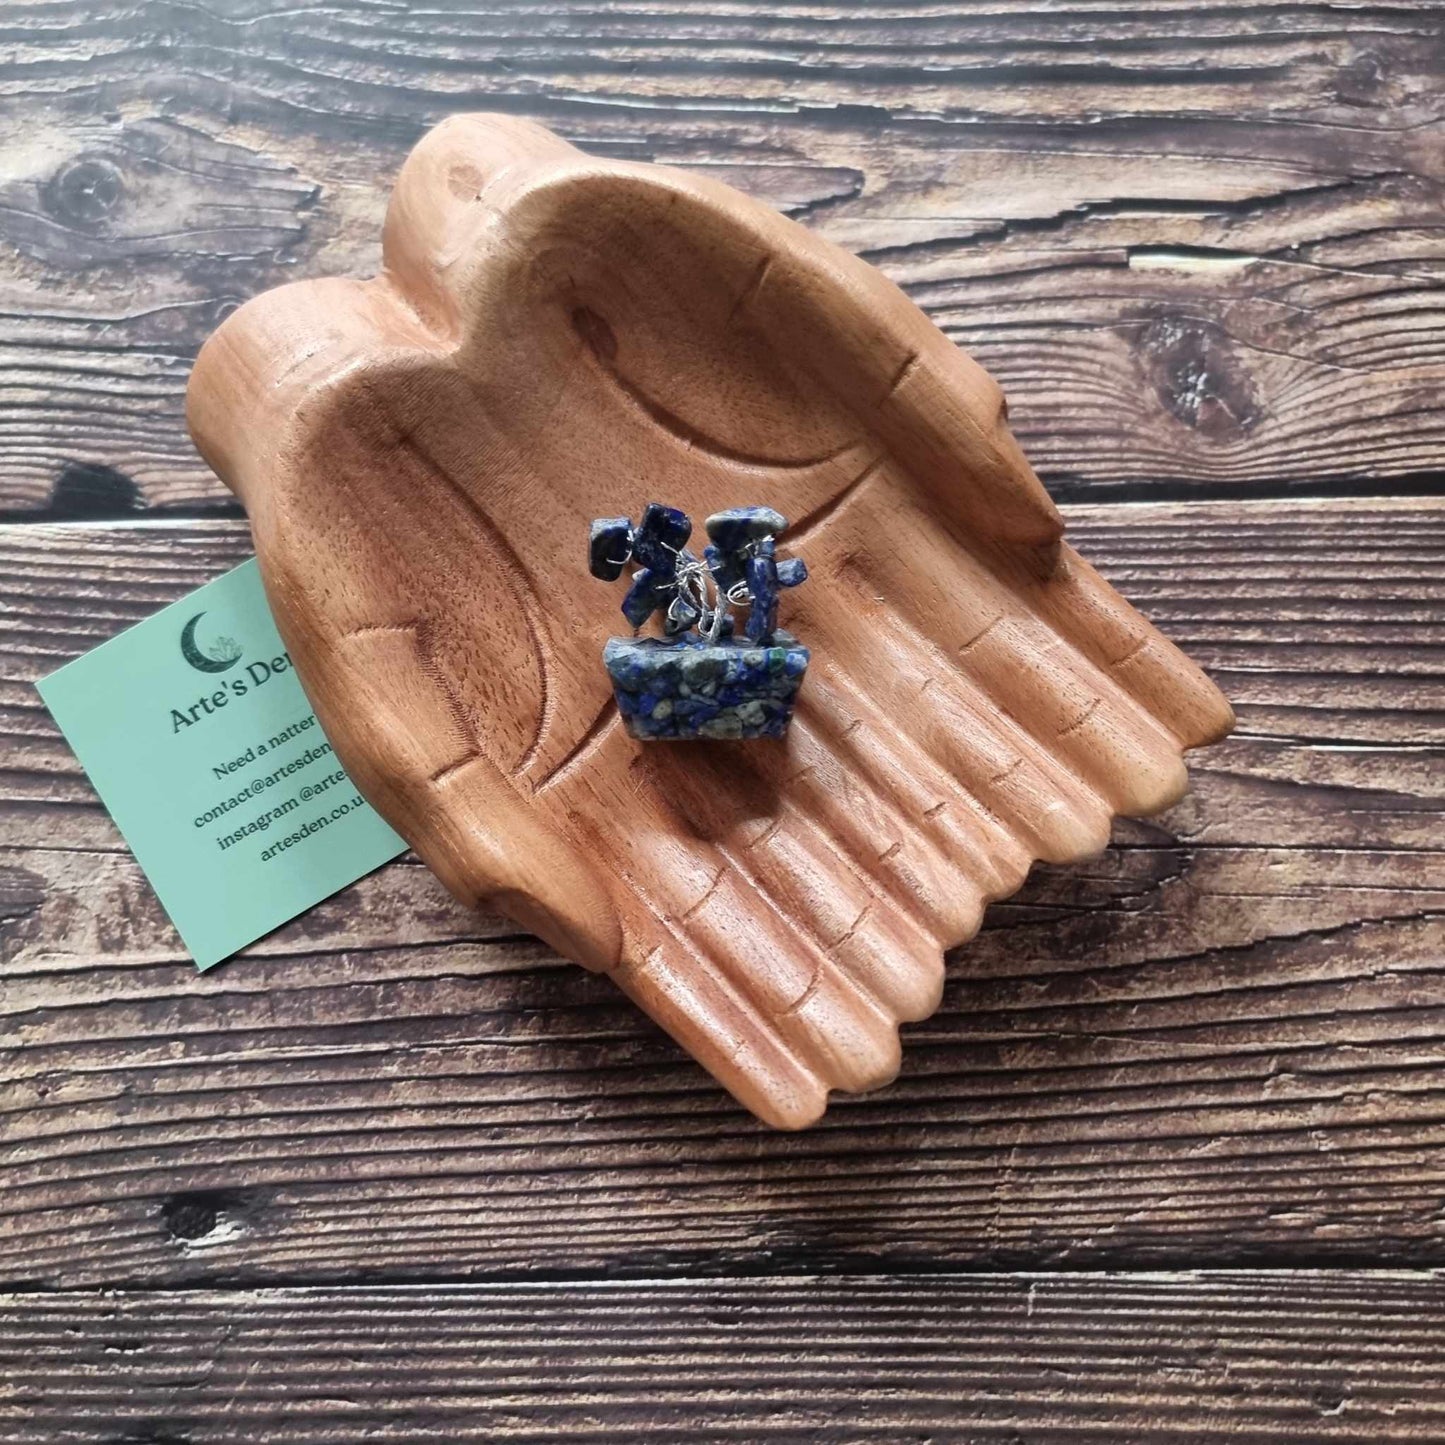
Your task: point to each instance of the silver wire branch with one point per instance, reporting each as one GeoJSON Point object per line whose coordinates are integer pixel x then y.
{"type": "Point", "coordinates": [697, 590]}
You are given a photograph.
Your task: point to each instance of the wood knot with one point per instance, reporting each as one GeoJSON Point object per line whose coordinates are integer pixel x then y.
{"type": "Point", "coordinates": [203, 1217]}
{"type": "Point", "coordinates": [1199, 377]}
{"type": "Point", "coordinates": [84, 192]}
{"type": "Point", "coordinates": [92, 489]}
{"type": "Point", "coordinates": [1362, 82]}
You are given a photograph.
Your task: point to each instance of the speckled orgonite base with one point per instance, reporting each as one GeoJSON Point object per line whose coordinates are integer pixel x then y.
{"type": "Point", "coordinates": [689, 688]}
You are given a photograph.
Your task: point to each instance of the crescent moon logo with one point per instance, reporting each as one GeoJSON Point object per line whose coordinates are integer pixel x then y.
{"type": "Point", "coordinates": [224, 652]}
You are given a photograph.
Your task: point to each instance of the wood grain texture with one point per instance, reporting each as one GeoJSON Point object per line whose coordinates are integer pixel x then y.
{"type": "Point", "coordinates": [1220, 1041]}
{"type": "Point", "coordinates": [1200, 246]}
{"type": "Point", "coordinates": [1048, 1359]}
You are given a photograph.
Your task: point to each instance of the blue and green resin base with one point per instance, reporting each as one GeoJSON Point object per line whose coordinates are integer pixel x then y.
{"type": "Point", "coordinates": [687, 687]}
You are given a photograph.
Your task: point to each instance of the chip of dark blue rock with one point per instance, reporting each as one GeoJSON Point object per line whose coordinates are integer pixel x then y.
{"type": "Point", "coordinates": [661, 534]}
{"type": "Point", "coordinates": [793, 572]}
{"type": "Point", "coordinates": [609, 548]}
{"type": "Point", "coordinates": [762, 579]}
{"type": "Point", "coordinates": [726, 567]}
{"type": "Point", "coordinates": [650, 590]}
{"type": "Point", "coordinates": [680, 615]}
{"type": "Point", "coordinates": [732, 529]}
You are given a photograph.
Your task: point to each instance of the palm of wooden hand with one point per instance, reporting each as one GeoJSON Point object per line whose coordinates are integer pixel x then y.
{"type": "Point", "coordinates": [556, 338]}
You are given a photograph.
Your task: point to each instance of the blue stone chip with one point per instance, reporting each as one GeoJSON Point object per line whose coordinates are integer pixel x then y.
{"type": "Point", "coordinates": [661, 534]}
{"type": "Point", "coordinates": [609, 547]}
{"type": "Point", "coordinates": [762, 575]}
{"type": "Point", "coordinates": [734, 528]}
{"type": "Point", "coordinates": [652, 588]}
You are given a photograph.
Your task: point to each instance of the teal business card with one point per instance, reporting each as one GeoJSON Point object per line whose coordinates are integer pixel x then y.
{"type": "Point", "coordinates": [196, 734]}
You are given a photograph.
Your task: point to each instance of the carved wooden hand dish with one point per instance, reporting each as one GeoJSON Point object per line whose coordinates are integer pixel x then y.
{"type": "Point", "coordinates": [556, 338]}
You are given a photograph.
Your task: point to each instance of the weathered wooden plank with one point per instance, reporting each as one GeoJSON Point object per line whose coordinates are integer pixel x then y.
{"type": "Point", "coordinates": [1221, 1040]}
{"type": "Point", "coordinates": [1200, 245]}
{"type": "Point", "coordinates": [1305, 1357]}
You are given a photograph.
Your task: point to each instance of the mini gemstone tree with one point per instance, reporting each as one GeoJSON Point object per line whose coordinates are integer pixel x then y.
{"type": "Point", "coordinates": [700, 679]}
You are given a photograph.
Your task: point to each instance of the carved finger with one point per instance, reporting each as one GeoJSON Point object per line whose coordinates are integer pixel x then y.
{"type": "Point", "coordinates": [259, 375]}
{"type": "Point", "coordinates": [873, 935]}
{"type": "Point", "coordinates": [698, 897]}
{"type": "Point", "coordinates": [1081, 606]}
{"type": "Point", "coordinates": [1033, 806]}
{"type": "Point", "coordinates": [725, 1032]}
{"type": "Point", "coordinates": [880, 823]}
{"type": "Point", "coordinates": [453, 185]}
{"type": "Point", "coordinates": [948, 594]}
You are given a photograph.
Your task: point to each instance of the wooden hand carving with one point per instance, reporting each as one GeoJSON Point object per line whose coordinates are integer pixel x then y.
{"type": "Point", "coordinates": [555, 338]}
